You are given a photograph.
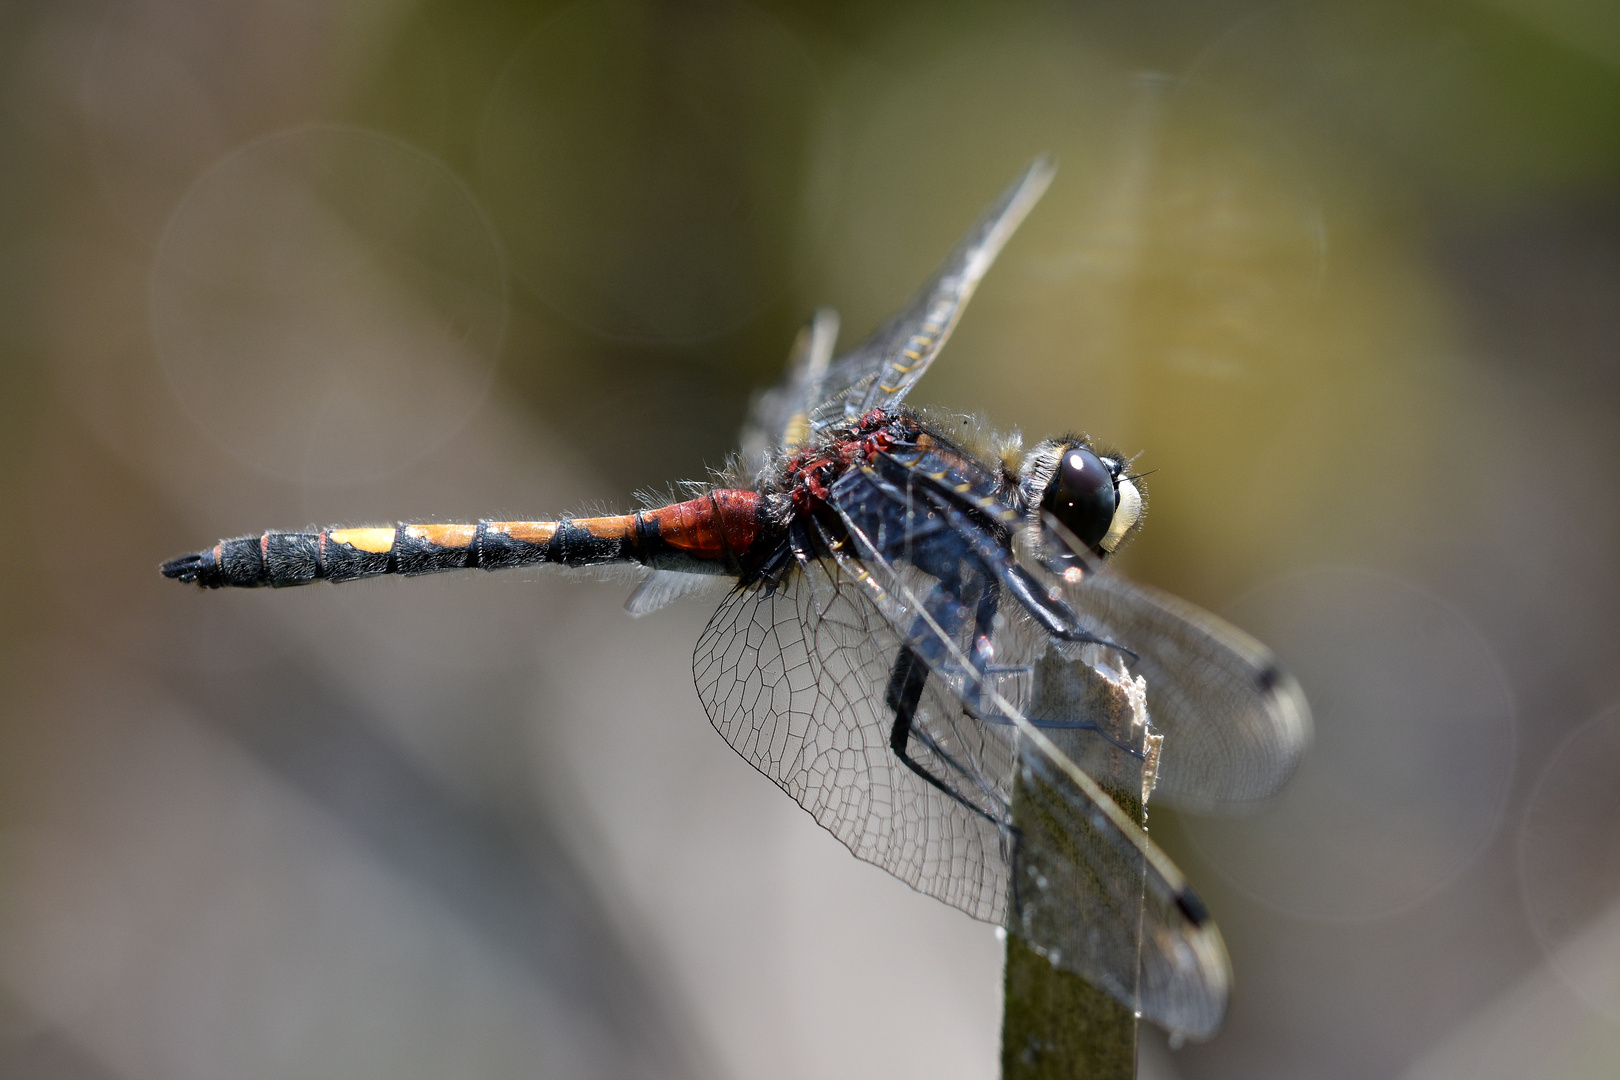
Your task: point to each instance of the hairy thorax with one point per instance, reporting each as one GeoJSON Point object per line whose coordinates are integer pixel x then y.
{"type": "Point", "coordinates": [808, 475]}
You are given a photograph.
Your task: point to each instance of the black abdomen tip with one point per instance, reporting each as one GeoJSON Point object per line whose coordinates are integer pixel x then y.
{"type": "Point", "coordinates": [198, 568]}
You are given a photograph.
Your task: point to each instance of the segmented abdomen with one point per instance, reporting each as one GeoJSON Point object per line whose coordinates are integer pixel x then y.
{"type": "Point", "coordinates": [720, 527]}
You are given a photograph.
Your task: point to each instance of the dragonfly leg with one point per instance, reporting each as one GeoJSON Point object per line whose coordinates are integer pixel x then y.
{"type": "Point", "coordinates": [1086, 725]}
{"type": "Point", "coordinates": [910, 672]}
{"type": "Point", "coordinates": [904, 693]}
{"type": "Point", "coordinates": [981, 653]}
{"type": "Point", "coordinates": [910, 675]}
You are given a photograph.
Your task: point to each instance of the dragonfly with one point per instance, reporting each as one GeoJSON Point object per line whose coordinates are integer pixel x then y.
{"type": "Point", "coordinates": [913, 609]}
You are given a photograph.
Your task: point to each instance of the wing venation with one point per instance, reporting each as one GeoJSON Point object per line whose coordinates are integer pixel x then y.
{"type": "Point", "coordinates": [882, 369]}
{"type": "Point", "coordinates": [1235, 723]}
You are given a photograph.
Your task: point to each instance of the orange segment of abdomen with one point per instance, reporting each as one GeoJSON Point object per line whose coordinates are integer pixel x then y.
{"type": "Point", "coordinates": [376, 541]}
{"type": "Point", "coordinates": [530, 532]}
{"type": "Point", "coordinates": [448, 536]}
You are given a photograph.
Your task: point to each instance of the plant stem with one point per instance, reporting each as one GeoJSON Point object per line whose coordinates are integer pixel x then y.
{"type": "Point", "coordinates": [1056, 1025]}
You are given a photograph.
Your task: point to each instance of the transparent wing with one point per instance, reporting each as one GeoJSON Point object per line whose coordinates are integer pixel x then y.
{"type": "Point", "coordinates": [793, 677]}
{"type": "Point", "coordinates": [1236, 724]}
{"type": "Point", "coordinates": [1093, 893]}
{"type": "Point", "coordinates": [661, 588]}
{"type": "Point", "coordinates": [778, 420]}
{"type": "Point", "coordinates": [881, 370]}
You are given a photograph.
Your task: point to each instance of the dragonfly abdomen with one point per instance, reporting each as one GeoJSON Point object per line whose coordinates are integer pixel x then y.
{"type": "Point", "coordinates": [712, 533]}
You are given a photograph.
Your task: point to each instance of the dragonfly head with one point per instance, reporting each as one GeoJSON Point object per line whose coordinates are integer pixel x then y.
{"type": "Point", "coordinates": [1088, 492]}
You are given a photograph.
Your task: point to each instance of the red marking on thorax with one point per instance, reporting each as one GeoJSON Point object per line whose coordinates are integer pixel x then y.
{"type": "Point", "coordinates": [726, 521]}
{"type": "Point", "coordinates": [815, 469]}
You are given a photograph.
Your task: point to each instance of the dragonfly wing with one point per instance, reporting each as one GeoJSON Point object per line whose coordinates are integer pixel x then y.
{"type": "Point", "coordinates": [661, 588]}
{"type": "Point", "coordinates": [1092, 892]}
{"type": "Point", "coordinates": [793, 677]}
{"type": "Point", "coordinates": [778, 418]}
{"type": "Point", "coordinates": [881, 370]}
{"type": "Point", "coordinates": [1235, 723]}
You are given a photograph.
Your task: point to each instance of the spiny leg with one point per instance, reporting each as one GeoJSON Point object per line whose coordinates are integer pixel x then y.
{"type": "Point", "coordinates": [910, 675]}
{"type": "Point", "coordinates": [905, 691]}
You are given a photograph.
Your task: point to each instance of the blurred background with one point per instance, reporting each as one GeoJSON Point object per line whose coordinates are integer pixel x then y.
{"type": "Point", "coordinates": [1347, 275]}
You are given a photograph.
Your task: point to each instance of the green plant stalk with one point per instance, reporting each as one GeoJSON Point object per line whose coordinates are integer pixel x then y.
{"type": "Point", "coordinates": [1056, 1025]}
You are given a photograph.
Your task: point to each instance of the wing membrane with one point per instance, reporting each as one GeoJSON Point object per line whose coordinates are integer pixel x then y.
{"type": "Point", "coordinates": [1236, 723]}
{"type": "Point", "coordinates": [663, 587]}
{"type": "Point", "coordinates": [1095, 895]}
{"type": "Point", "coordinates": [800, 679]}
{"type": "Point", "coordinates": [792, 676]}
{"type": "Point", "coordinates": [779, 418]}
{"type": "Point", "coordinates": [881, 370]}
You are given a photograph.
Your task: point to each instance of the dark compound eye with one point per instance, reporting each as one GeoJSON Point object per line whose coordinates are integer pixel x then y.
{"type": "Point", "coordinates": [1081, 495]}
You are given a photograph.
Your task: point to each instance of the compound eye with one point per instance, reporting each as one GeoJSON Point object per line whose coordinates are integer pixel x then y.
{"type": "Point", "coordinates": [1081, 495]}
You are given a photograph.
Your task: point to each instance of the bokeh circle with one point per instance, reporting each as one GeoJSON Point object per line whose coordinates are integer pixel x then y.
{"type": "Point", "coordinates": [1569, 861]}
{"type": "Point", "coordinates": [329, 304]}
{"type": "Point", "coordinates": [1405, 783]}
{"type": "Point", "coordinates": [660, 173]}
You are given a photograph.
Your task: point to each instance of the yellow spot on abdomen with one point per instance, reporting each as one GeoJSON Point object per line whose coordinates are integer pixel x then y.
{"type": "Point", "coordinates": [376, 541]}
{"type": "Point", "coordinates": [531, 532]}
{"type": "Point", "coordinates": [609, 528]}
{"type": "Point", "coordinates": [448, 536]}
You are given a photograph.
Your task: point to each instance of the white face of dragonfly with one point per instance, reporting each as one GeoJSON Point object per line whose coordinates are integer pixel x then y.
{"type": "Point", "coordinates": [1088, 493]}
{"type": "Point", "coordinates": [1127, 515]}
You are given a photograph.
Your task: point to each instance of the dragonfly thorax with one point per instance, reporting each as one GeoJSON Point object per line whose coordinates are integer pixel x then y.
{"type": "Point", "coordinates": [811, 472]}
